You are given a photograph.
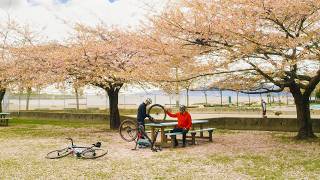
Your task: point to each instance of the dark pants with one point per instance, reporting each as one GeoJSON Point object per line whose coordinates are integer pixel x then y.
{"type": "Point", "coordinates": [264, 112]}
{"type": "Point", "coordinates": [139, 124]}
{"type": "Point", "coordinates": [184, 135]}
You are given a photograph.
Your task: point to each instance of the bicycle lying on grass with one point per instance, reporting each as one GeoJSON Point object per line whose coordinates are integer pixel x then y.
{"type": "Point", "coordinates": [130, 130]}
{"type": "Point", "coordinates": [90, 152]}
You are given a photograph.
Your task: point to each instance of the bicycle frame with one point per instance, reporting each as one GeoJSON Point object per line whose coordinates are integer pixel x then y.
{"type": "Point", "coordinates": [86, 152]}
{"type": "Point", "coordinates": [73, 147]}
{"type": "Point", "coordinates": [142, 133]}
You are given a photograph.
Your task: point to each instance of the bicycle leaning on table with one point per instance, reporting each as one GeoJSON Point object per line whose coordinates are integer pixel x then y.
{"type": "Point", "coordinates": [130, 130]}
{"type": "Point", "coordinates": [90, 152]}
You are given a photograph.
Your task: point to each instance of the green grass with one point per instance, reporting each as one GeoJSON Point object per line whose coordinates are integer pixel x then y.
{"type": "Point", "coordinates": [289, 138]}
{"type": "Point", "coordinates": [219, 159]}
{"type": "Point", "coordinates": [25, 142]}
{"type": "Point", "coordinates": [73, 110]}
{"type": "Point", "coordinates": [50, 128]}
{"type": "Point", "coordinates": [61, 123]}
{"type": "Point", "coordinates": [273, 165]}
{"type": "Point", "coordinates": [259, 166]}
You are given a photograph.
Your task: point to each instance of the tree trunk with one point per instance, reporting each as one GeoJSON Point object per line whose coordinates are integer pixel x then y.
{"type": "Point", "coordinates": [2, 93]}
{"type": "Point", "coordinates": [29, 90]}
{"type": "Point", "coordinates": [237, 98]}
{"type": "Point", "coordinates": [279, 99]}
{"type": "Point", "coordinates": [77, 97]}
{"type": "Point", "coordinates": [187, 97]}
{"type": "Point", "coordinates": [303, 116]}
{"type": "Point", "coordinates": [206, 97]}
{"type": "Point", "coordinates": [221, 98]}
{"type": "Point", "coordinates": [113, 94]}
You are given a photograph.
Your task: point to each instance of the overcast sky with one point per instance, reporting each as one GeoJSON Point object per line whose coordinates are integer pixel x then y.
{"type": "Point", "coordinates": [51, 14]}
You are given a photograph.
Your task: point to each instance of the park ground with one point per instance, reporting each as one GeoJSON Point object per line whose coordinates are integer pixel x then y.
{"type": "Point", "coordinates": [232, 155]}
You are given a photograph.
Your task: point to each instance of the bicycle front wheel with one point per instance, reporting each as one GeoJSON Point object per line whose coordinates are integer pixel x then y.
{"type": "Point", "coordinates": [128, 130]}
{"type": "Point", "coordinates": [93, 153]}
{"type": "Point", "coordinates": [58, 153]}
{"type": "Point", "coordinates": [157, 112]}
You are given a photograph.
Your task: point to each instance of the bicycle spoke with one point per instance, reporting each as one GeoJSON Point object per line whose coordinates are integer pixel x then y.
{"type": "Point", "coordinates": [93, 153]}
{"type": "Point", "coordinates": [58, 153]}
{"type": "Point", "coordinates": [128, 130]}
{"type": "Point", "coordinates": [157, 112]}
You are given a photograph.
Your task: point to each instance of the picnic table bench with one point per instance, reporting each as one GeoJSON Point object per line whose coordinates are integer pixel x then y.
{"type": "Point", "coordinates": [164, 132]}
{"type": "Point", "coordinates": [4, 119]}
{"type": "Point", "coordinates": [193, 135]}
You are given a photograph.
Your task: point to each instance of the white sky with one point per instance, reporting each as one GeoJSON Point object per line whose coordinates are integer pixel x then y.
{"type": "Point", "coordinates": [49, 16]}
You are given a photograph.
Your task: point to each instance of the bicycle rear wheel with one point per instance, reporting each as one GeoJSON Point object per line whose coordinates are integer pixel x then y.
{"type": "Point", "coordinates": [157, 112]}
{"type": "Point", "coordinates": [58, 153]}
{"type": "Point", "coordinates": [93, 153]}
{"type": "Point", "coordinates": [128, 130]}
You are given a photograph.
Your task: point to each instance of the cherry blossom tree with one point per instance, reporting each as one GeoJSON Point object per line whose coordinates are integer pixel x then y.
{"type": "Point", "coordinates": [104, 57]}
{"type": "Point", "coordinates": [264, 46]}
{"type": "Point", "coordinates": [7, 38]}
{"type": "Point", "coordinates": [34, 60]}
{"type": "Point", "coordinates": [167, 60]}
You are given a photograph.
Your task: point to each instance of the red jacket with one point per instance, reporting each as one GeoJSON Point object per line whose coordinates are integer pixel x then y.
{"type": "Point", "coordinates": [184, 120]}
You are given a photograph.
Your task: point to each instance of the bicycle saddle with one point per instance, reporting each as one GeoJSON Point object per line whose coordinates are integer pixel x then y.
{"type": "Point", "coordinates": [98, 144]}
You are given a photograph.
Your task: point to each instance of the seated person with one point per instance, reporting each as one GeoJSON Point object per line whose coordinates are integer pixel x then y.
{"type": "Point", "coordinates": [184, 122]}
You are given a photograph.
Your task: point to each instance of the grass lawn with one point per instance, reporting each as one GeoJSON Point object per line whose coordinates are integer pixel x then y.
{"type": "Point", "coordinates": [232, 155]}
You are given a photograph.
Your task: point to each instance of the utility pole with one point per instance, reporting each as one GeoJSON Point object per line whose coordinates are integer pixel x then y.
{"type": "Point", "coordinates": [177, 88]}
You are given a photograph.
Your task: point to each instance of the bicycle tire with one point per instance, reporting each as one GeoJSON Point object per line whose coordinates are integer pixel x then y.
{"type": "Point", "coordinates": [93, 153]}
{"type": "Point", "coordinates": [128, 130]}
{"type": "Point", "coordinates": [158, 112]}
{"type": "Point", "coordinates": [56, 154]}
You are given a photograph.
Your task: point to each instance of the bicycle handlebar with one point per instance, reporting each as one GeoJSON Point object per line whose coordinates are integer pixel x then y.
{"type": "Point", "coordinates": [70, 140]}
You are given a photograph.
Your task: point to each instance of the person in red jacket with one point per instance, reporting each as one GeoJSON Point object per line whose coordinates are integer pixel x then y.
{"type": "Point", "coordinates": [184, 122]}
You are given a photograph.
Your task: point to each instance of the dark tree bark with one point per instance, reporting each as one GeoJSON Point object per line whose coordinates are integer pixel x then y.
{"type": "Point", "coordinates": [220, 97]}
{"type": "Point", "coordinates": [237, 98]}
{"type": "Point", "coordinates": [303, 114]}
{"type": "Point", "coordinates": [29, 90]}
{"type": "Point", "coordinates": [2, 93]}
{"type": "Point", "coordinates": [113, 94]}
{"type": "Point", "coordinates": [205, 97]}
{"type": "Point", "coordinates": [187, 97]}
{"type": "Point", "coordinates": [77, 97]}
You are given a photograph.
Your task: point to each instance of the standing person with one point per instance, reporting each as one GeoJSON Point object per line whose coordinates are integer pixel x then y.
{"type": "Point", "coordinates": [142, 111]}
{"type": "Point", "coordinates": [264, 108]}
{"type": "Point", "coordinates": [184, 123]}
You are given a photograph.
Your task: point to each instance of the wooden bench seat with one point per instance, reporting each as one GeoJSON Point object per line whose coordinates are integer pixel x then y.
{"type": "Point", "coordinates": [166, 130]}
{"type": "Point", "coordinates": [173, 137]}
{"type": "Point", "coordinates": [4, 121]}
{"type": "Point", "coordinates": [194, 132]}
{"type": "Point", "coordinates": [193, 135]}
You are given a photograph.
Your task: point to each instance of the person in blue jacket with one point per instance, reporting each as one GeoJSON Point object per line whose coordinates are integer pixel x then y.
{"type": "Point", "coordinates": [142, 111]}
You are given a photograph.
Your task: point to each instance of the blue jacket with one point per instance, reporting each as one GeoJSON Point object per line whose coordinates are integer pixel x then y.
{"type": "Point", "coordinates": [142, 113]}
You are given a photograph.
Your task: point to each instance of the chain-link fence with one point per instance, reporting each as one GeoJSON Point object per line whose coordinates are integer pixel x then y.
{"type": "Point", "coordinates": [16, 102]}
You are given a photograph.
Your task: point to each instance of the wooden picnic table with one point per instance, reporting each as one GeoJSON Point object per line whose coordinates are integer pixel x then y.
{"type": "Point", "coordinates": [4, 119]}
{"type": "Point", "coordinates": [163, 125]}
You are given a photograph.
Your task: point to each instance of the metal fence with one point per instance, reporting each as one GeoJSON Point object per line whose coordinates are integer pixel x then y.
{"type": "Point", "coordinates": [14, 102]}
